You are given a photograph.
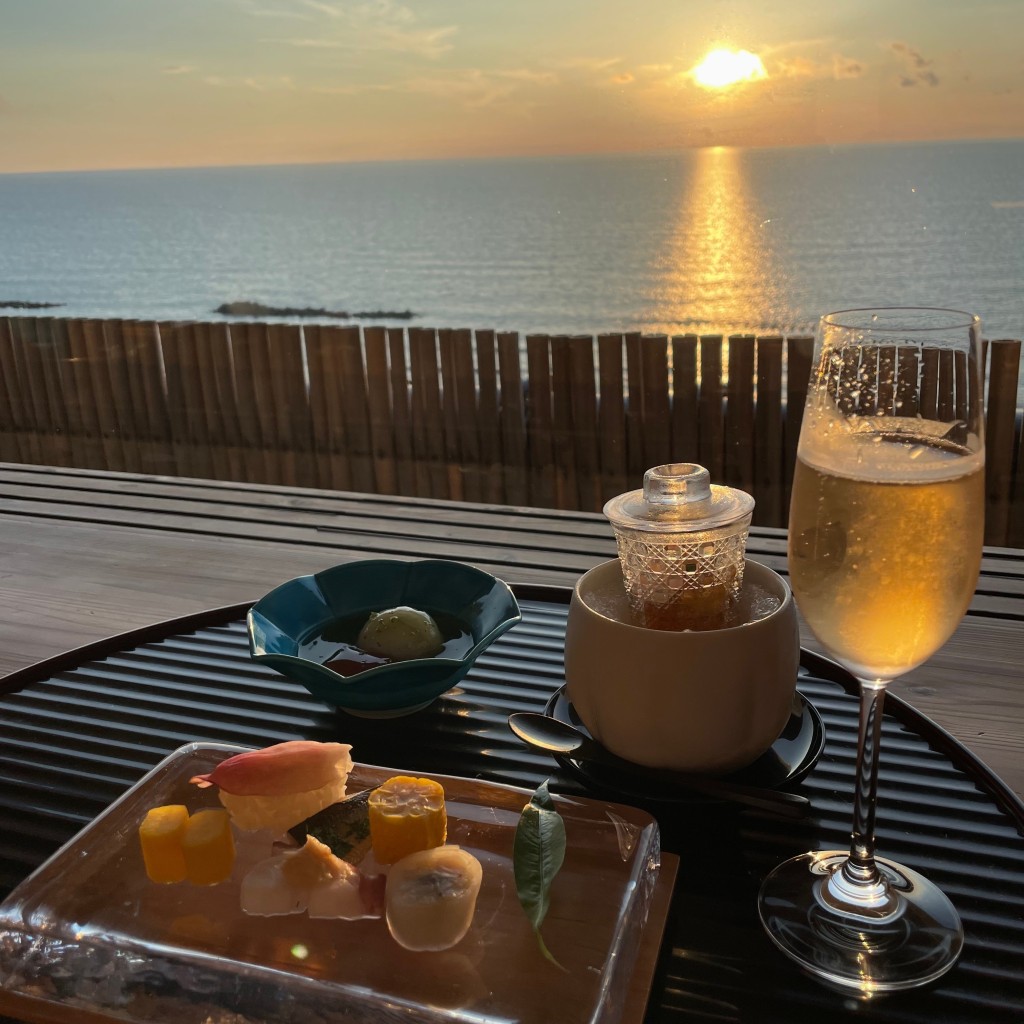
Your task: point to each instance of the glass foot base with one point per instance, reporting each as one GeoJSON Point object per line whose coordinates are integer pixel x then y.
{"type": "Point", "coordinates": [915, 937]}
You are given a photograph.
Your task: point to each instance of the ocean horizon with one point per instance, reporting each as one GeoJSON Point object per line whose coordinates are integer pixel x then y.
{"type": "Point", "coordinates": [715, 241]}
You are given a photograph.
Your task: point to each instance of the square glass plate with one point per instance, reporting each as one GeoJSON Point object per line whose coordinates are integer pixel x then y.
{"type": "Point", "coordinates": [88, 930]}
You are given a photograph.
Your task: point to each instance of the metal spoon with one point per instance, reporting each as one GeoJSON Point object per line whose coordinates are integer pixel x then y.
{"type": "Point", "coordinates": [555, 737]}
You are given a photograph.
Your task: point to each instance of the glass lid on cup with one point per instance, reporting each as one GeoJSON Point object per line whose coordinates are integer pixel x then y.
{"type": "Point", "coordinates": [679, 497]}
{"type": "Point", "coordinates": [681, 544]}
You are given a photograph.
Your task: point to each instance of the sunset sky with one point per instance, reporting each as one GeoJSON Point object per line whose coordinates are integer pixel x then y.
{"type": "Point", "coordinates": [148, 83]}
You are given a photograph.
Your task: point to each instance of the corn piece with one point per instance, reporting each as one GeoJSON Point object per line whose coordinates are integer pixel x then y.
{"type": "Point", "coordinates": [160, 835]}
{"type": "Point", "coordinates": [209, 847]}
{"type": "Point", "coordinates": [406, 815]}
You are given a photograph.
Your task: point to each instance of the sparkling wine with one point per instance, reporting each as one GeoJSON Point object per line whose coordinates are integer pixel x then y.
{"type": "Point", "coordinates": [885, 539]}
{"type": "Point", "coordinates": [886, 527]}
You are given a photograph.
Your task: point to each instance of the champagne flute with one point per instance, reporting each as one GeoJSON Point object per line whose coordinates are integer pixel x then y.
{"type": "Point", "coordinates": [885, 538]}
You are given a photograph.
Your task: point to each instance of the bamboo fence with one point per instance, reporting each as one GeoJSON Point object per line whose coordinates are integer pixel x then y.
{"type": "Point", "coordinates": [550, 421]}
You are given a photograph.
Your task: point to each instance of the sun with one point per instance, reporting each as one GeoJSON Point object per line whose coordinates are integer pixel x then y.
{"type": "Point", "coordinates": [727, 67]}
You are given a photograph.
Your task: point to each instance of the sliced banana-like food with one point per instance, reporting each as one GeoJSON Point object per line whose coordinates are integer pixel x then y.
{"type": "Point", "coordinates": [431, 896]}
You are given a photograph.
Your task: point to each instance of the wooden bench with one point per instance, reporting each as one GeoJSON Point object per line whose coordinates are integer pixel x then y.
{"type": "Point", "coordinates": [555, 422]}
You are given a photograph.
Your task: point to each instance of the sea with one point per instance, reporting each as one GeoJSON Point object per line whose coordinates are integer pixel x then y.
{"type": "Point", "coordinates": [717, 240]}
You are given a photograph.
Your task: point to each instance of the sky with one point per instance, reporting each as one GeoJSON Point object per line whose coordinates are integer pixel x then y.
{"type": "Point", "coordinates": [92, 84]}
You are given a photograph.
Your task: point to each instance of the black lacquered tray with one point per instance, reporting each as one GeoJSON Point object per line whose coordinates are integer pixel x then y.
{"type": "Point", "coordinates": [77, 731]}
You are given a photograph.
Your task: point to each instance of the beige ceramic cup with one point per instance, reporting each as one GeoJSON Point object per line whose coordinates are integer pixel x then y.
{"type": "Point", "coordinates": [709, 702]}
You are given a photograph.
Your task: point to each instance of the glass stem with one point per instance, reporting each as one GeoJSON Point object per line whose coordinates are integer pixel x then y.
{"type": "Point", "coordinates": [860, 869]}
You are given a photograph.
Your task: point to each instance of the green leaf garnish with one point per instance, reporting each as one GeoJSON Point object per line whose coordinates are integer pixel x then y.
{"type": "Point", "coordinates": [537, 856]}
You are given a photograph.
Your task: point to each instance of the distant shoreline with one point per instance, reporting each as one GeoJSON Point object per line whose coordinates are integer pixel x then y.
{"type": "Point", "coordinates": [244, 308]}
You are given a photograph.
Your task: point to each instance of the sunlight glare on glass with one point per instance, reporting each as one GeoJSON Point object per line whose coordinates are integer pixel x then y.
{"type": "Point", "coordinates": [727, 67]}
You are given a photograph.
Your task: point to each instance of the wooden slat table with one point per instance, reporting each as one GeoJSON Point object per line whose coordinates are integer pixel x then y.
{"type": "Point", "coordinates": [87, 554]}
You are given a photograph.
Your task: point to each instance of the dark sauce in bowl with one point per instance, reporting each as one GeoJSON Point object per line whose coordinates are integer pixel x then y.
{"type": "Point", "coordinates": [335, 648]}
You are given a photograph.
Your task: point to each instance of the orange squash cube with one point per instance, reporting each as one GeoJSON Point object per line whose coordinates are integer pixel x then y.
{"type": "Point", "coordinates": [160, 835]}
{"type": "Point", "coordinates": [209, 847]}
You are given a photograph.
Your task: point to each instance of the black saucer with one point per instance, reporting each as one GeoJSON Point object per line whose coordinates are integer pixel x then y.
{"type": "Point", "coordinates": [787, 761]}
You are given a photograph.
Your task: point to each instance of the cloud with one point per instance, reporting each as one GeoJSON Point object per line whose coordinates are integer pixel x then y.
{"type": "Point", "coordinates": [609, 70]}
{"type": "Point", "coordinates": [316, 44]}
{"type": "Point", "coordinates": [595, 64]}
{"type": "Point", "coordinates": [529, 75]}
{"type": "Point", "coordinates": [272, 83]}
{"type": "Point", "coordinates": [840, 67]}
{"type": "Point", "coordinates": [258, 83]}
{"type": "Point", "coordinates": [331, 10]}
{"type": "Point", "coordinates": [917, 68]}
{"type": "Point", "coordinates": [797, 67]}
{"type": "Point", "coordinates": [477, 88]}
{"type": "Point", "coordinates": [911, 55]}
{"type": "Point", "coordinates": [431, 43]}
{"type": "Point", "coordinates": [846, 67]}
{"type": "Point", "coordinates": [256, 9]}
{"type": "Point", "coordinates": [473, 87]}
{"type": "Point", "coordinates": [377, 25]}
{"type": "Point", "coordinates": [795, 44]}
{"type": "Point", "coordinates": [179, 69]}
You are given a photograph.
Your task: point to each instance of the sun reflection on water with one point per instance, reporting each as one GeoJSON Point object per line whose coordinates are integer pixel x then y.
{"type": "Point", "coordinates": [717, 266]}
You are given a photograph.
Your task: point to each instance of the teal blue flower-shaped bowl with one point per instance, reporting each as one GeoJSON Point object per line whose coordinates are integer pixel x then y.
{"type": "Point", "coordinates": [283, 623]}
